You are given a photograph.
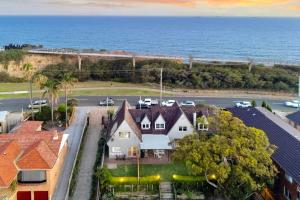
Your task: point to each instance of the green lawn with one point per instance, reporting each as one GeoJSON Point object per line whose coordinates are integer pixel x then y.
{"type": "Point", "coordinates": [165, 171]}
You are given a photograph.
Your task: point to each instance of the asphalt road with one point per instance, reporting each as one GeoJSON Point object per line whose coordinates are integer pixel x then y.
{"type": "Point", "coordinates": [19, 104]}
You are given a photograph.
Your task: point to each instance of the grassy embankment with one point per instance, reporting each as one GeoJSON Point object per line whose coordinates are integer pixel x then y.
{"type": "Point", "coordinates": [92, 88]}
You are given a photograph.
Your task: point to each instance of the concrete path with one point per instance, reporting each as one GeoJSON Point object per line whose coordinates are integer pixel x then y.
{"type": "Point", "coordinates": [86, 169]}
{"type": "Point", "coordinates": [75, 131]}
{"type": "Point", "coordinates": [165, 190]}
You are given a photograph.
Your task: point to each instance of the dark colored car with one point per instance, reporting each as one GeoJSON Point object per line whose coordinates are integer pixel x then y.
{"type": "Point", "coordinates": [142, 106]}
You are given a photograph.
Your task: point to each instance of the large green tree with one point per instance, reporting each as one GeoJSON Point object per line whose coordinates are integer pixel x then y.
{"type": "Point", "coordinates": [235, 159]}
{"type": "Point", "coordinates": [51, 91]}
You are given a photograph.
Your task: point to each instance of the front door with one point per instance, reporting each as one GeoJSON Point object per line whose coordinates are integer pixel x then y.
{"type": "Point", "coordinates": [24, 195]}
{"type": "Point", "coordinates": [132, 152]}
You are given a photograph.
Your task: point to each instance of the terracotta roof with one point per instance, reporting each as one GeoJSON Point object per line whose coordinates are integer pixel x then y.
{"type": "Point", "coordinates": [8, 170]}
{"type": "Point", "coordinates": [27, 149]}
{"type": "Point", "coordinates": [29, 127]}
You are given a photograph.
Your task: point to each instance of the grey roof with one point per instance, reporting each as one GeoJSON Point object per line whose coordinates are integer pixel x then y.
{"type": "Point", "coordinates": [280, 133]}
{"type": "Point", "coordinates": [295, 117]}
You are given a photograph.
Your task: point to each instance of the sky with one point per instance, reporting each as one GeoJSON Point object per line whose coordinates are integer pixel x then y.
{"type": "Point", "coordinates": [274, 8]}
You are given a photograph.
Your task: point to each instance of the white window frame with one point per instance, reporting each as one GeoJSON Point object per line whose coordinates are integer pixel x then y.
{"type": "Point", "coordinates": [202, 127]}
{"type": "Point", "coordinates": [182, 128]}
{"type": "Point", "coordinates": [145, 126]}
{"type": "Point", "coordinates": [160, 128]}
{"type": "Point", "coordinates": [116, 150]}
{"type": "Point", "coordinates": [124, 136]}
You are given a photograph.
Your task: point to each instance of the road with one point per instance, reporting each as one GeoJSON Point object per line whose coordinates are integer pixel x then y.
{"type": "Point", "coordinates": [75, 131]}
{"type": "Point", "coordinates": [18, 104]}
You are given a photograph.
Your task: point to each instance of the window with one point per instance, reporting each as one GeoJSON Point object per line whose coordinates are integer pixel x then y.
{"type": "Point", "coordinates": [287, 193]}
{"type": "Point", "coordinates": [116, 149]}
{"type": "Point", "coordinates": [202, 127]}
{"type": "Point", "coordinates": [145, 126]}
{"type": "Point", "coordinates": [37, 176]}
{"type": "Point", "coordinates": [124, 135]}
{"type": "Point", "coordinates": [159, 126]}
{"type": "Point", "coordinates": [182, 128]}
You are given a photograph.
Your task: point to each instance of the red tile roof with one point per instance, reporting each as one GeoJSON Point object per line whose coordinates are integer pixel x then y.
{"type": "Point", "coordinates": [27, 149]}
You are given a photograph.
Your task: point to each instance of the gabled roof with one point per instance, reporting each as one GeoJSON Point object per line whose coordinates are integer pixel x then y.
{"type": "Point", "coordinates": [124, 115]}
{"type": "Point", "coordinates": [295, 117]}
{"type": "Point", "coordinates": [281, 134]}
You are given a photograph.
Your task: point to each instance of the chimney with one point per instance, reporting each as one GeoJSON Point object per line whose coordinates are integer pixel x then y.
{"type": "Point", "coordinates": [195, 119]}
{"type": "Point", "coordinates": [55, 135]}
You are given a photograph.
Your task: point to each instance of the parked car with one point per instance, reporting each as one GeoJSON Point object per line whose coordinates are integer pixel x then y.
{"type": "Point", "coordinates": [293, 104]}
{"type": "Point", "coordinates": [168, 103]}
{"type": "Point", "coordinates": [243, 104]}
{"type": "Point", "coordinates": [107, 102]}
{"type": "Point", "coordinates": [38, 103]}
{"type": "Point", "coordinates": [142, 106]}
{"type": "Point", "coordinates": [187, 103]}
{"type": "Point", "coordinates": [148, 101]}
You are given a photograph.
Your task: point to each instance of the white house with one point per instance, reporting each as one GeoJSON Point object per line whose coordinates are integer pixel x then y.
{"type": "Point", "coordinates": [3, 121]}
{"type": "Point", "coordinates": [146, 131]}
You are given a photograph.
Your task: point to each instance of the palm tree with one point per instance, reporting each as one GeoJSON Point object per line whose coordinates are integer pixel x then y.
{"type": "Point", "coordinates": [67, 83]}
{"type": "Point", "coordinates": [51, 88]}
{"type": "Point", "coordinates": [40, 80]}
{"type": "Point", "coordinates": [28, 70]}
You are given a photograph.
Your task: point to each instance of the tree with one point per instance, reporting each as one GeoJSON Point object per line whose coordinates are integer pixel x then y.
{"type": "Point", "coordinates": [67, 83]}
{"type": "Point", "coordinates": [235, 160]}
{"type": "Point", "coordinates": [104, 177]}
{"type": "Point", "coordinates": [28, 70]}
{"type": "Point", "coordinates": [253, 103]}
{"type": "Point", "coordinates": [40, 80]}
{"type": "Point", "coordinates": [51, 88]}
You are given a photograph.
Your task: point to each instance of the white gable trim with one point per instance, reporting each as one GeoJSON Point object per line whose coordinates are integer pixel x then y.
{"type": "Point", "coordinates": [182, 114]}
{"type": "Point", "coordinates": [118, 130]}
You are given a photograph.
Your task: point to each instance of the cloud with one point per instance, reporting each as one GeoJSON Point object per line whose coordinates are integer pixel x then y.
{"type": "Point", "coordinates": [124, 3]}
{"type": "Point", "coordinates": [295, 7]}
{"type": "Point", "coordinates": [246, 3]}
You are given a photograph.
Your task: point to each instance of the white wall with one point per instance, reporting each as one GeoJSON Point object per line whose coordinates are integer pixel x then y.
{"type": "Point", "coordinates": [174, 132]}
{"type": "Point", "coordinates": [124, 144]}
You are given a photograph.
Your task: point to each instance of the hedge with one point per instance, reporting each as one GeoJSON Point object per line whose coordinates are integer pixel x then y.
{"type": "Point", "coordinates": [179, 178]}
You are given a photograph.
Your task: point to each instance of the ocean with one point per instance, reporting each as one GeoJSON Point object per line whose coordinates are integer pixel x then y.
{"type": "Point", "coordinates": [230, 38]}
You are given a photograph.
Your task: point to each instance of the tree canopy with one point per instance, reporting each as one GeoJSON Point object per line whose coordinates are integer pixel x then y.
{"type": "Point", "coordinates": [235, 159]}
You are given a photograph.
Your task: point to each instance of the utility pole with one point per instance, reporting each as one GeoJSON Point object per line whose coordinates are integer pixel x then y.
{"type": "Point", "coordinates": [191, 61]}
{"type": "Point", "coordinates": [79, 62]}
{"type": "Point", "coordinates": [161, 85]}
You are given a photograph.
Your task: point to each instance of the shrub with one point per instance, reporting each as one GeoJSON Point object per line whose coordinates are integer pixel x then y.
{"type": "Point", "coordinates": [253, 103]}
{"type": "Point", "coordinates": [179, 178]}
{"type": "Point", "coordinates": [44, 114]}
{"type": "Point", "coordinates": [264, 104]}
{"type": "Point", "coordinates": [11, 55]}
{"type": "Point", "coordinates": [72, 102]}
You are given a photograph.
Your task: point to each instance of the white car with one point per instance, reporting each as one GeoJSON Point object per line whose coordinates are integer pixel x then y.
{"type": "Point", "coordinates": [188, 103]}
{"type": "Point", "coordinates": [168, 103]}
{"type": "Point", "coordinates": [38, 103]}
{"type": "Point", "coordinates": [148, 102]}
{"type": "Point", "coordinates": [243, 104]}
{"type": "Point", "coordinates": [293, 104]}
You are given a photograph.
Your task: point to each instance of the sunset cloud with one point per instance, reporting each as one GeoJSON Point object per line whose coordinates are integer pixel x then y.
{"type": "Point", "coordinates": [295, 7]}
{"type": "Point", "coordinates": [245, 2]}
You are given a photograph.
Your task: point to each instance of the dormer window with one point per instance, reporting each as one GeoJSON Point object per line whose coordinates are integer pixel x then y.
{"type": "Point", "coordinates": [145, 126]}
{"type": "Point", "coordinates": [160, 122]}
{"type": "Point", "coordinates": [159, 126]}
{"type": "Point", "coordinates": [145, 123]}
{"type": "Point", "coordinates": [202, 124]}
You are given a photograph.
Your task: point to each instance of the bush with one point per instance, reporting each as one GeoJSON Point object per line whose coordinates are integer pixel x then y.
{"type": "Point", "coordinates": [72, 102]}
{"type": "Point", "coordinates": [44, 114]}
{"type": "Point", "coordinates": [5, 78]}
{"type": "Point", "coordinates": [179, 178]}
{"type": "Point", "coordinates": [11, 55]}
{"type": "Point", "coordinates": [253, 103]}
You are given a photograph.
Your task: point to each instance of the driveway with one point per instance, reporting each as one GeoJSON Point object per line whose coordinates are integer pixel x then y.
{"type": "Point", "coordinates": [86, 169]}
{"type": "Point", "coordinates": [75, 131]}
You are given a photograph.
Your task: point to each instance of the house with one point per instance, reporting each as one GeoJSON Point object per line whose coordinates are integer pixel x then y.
{"type": "Point", "coordinates": [294, 119]}
{"type": "Point", "coordinates": [287, 154]}
{"type": "Point", "coordinates": [30, 162]}
{"type": "Point", "coordinates": [3, 121]}
{"type": "Point", "coordinates": [152, 132]}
